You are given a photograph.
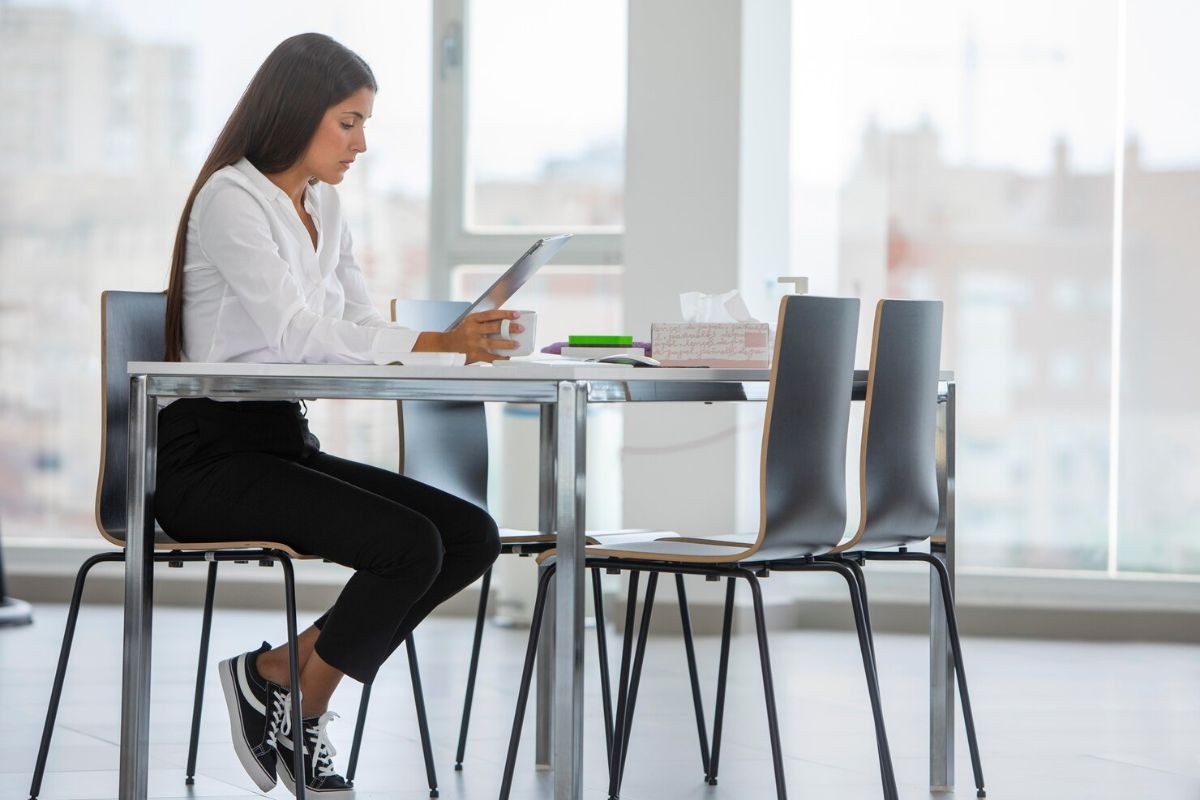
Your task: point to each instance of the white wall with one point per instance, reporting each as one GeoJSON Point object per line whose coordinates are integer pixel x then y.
{"type": "Point", "coordinates": [706, 210]}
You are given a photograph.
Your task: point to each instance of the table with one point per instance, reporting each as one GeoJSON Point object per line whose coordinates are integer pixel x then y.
{"type": "Point", "coordinates": [564, 393]}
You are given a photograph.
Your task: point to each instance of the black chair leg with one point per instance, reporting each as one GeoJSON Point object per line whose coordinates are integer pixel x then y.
{"type": "Point", "coordinates": [614, 762]}
{"type": "Point", "coordinates": [861, 580]}
{"type": "Point", "coordinates": [201, 667]}
{"type": "Point", "coordinates": [860, 585]}
{"type": "Point", "coordinates": [422, 721]}
{"type": "Point", "coordinates": [535, 629]}
{"type": "Point", "coordinates": [64, 655]}
{"type": "Point", "coordinates": [764, 655]}
{"type": "Point", "coordinates": [886, 771]}
{"type": "Point", "coordinates": [289, 590]}
{"type": "Point", "coordinates": [466, 715]}
{"type": "Point", "coordinates": [363, 701]}
{"type": "Point", "coordinates": [602, 655]}
{"type": "Point", "coordinates": [956, 648]}
{"type": "Point", "coordinates": [635, 678]}
{"type": "Point", "coordinates": [685, 620]}
{"type": "Point", "coordinates": [722, 673]}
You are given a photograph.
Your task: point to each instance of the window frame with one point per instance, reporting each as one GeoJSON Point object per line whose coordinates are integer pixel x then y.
{"type": "Point", "coordinates": [452, 241]}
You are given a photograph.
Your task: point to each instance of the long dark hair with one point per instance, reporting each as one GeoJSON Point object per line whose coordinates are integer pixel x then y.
{"type": "Point", "coordinates": [271, 126]}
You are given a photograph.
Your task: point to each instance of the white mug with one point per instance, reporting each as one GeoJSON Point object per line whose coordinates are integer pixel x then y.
{"type": "Point", "coordinates": [524, 339]}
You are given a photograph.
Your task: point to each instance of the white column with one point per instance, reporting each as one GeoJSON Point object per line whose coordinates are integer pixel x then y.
{"type": "Point", "coordinates": [706, 197]}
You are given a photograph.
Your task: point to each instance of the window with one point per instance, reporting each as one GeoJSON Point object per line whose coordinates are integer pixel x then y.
{"type": "Point", "coordinates": [523, 150]}
{"type": "Point", "coordinates": [966, 151]}
{"type": "Point", "coordinates": [976, 152]}
{"type": "Point", "coordinates": [1159, 434]}
{"type": "Point", "coordinates": [111, 105]}
{"type": "Point", "coordinates": [546, 143]}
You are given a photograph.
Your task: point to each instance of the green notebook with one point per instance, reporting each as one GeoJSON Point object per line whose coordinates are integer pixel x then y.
{"type": "Point", "coordinates": [602, 341]}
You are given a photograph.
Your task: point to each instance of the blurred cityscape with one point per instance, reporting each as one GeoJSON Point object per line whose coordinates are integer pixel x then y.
{"type": "Point", "coordinates": [95, 171]}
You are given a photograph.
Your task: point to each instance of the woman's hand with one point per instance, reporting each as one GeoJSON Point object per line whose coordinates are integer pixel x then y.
{"type": "Point", "coordinates": [473, 336]}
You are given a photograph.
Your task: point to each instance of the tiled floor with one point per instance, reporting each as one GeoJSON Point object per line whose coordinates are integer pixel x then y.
{"type": "Point", "coordinates": [1056, 720]}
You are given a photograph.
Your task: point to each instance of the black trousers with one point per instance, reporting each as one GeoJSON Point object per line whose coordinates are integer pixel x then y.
{"type": "Point", "coordinates": [253, 471]}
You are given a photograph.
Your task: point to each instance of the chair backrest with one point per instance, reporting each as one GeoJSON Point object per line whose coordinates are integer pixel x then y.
{"type": "Point", "coordinates": [897, 464]}
{"type": "Point", "coordinates": [131, 329]}
{"type": "Point", "coordinates": [442, 443]}
{"type": "Point", "coordinates": [803, 468]}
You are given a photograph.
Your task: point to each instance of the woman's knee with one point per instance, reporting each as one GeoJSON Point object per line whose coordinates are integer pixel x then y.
{"type": "Point", "coordinates": [488, 531]}
{"type": "Point", "coordinates": [412, 553]}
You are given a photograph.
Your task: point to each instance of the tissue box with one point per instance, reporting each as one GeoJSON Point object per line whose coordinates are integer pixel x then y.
{"type": "Point", "coordinates": [712, 344]}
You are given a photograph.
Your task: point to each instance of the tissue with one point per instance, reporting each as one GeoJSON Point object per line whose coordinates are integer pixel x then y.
{"type": "Point", "coordinates": [717, 331]}
{"type": "Point", "coordinates": [726, 307]}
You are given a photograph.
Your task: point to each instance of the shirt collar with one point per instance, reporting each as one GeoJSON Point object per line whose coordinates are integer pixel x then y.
{"type": "Point", "coordinates": [312, 202]}
{"type": "Point", "coordinates": [260, 181]}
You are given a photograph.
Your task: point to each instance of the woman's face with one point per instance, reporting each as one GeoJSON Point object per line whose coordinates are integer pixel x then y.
{"type": "Point", "coordinates": [339, 138]}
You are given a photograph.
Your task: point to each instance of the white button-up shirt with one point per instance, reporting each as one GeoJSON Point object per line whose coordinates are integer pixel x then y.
{"type": "Point", "coordinates": [255, 289]}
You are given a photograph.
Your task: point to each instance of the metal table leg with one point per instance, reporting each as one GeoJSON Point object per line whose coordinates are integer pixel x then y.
{"type": "Point", "coordinates": [941, 665]}
{"type": "Point", "coordinates": [568, 594]}
{"type": "Point", "coordinates": [139, 592]}
{"type": "Point", "coordinates": [543, 750]}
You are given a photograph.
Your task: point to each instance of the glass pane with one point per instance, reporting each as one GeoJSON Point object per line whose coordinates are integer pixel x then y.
{"type": "Point", "coordinates": [1159, 497]}
{"type": "Point", "coordinates": [110, 107]}
{"type": "Point", "coordinates": [546, 111]}
{"type": "Point", "coordinates": [963, 151]}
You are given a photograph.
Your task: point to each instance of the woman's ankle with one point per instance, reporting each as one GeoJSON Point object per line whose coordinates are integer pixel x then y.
{"type": "Point", "coordinates": [273, 669]}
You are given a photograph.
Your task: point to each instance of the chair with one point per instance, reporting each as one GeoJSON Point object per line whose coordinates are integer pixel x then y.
{"type": "Point", "coordinates": [898, 491]}
{"type": "Point", "coordinates": [802, 515]}
{"type": "Point", "coordinates": [444, 444]}
{"type": "Point", "coordinates": [897, 474]}
{"type": "Point", "coordinates": [132, 330]}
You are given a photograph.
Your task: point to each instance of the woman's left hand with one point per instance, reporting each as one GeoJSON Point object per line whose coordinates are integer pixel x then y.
{"type": "Point", "coordinates": [474, 336]}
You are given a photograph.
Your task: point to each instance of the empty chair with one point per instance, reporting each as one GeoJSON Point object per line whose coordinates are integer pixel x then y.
{"type": "Point", "coordinates": [897, 469]}
{"type": "Point", "coordinates": [802, 492]}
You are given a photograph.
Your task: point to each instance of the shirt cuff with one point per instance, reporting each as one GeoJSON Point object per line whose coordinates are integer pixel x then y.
{"type": "Point", "coordinates": [391, 344]}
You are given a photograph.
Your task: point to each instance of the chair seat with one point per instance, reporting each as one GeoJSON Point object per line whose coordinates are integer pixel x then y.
{"type": "Point", "coordinates": [163, 542]}
{"type": "Point", "coordinates": [512, 536]}
{"type": "Point", "coordinates": [723, 539]}
{"type": "Point", "coordinates": [670, 550]}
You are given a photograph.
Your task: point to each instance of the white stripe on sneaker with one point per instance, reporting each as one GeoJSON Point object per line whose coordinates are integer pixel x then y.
{"type": "Point", "coordinates": [244, 685]}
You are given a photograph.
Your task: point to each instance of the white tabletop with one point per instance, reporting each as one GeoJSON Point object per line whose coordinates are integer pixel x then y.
{"type": "Point", "coordinates": [508, 372]}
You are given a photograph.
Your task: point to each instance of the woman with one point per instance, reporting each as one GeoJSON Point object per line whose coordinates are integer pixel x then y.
{"type": "Point", "coordinates": [263, 272]}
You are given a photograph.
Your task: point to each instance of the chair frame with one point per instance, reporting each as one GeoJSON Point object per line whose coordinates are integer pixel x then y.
{"type": "Point", "coordinates": [110, 522]}
{"type": "Point", "coordinates": [800, 526]}
{"type": "Point", "coordinates": [908, 322]}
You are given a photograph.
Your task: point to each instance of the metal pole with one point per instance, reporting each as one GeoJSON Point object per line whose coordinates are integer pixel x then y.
{"type": "Point", "coordinates": [569, 582]}
{"type": "Point", "coordinates": [139, 591]}
{"type": "Point", "coordinates": [941, 666]}
{"type": "Point", "coordinates": [543, 755]}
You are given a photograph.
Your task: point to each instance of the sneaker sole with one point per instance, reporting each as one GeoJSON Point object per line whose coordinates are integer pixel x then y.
{"type": "Point", "coordinates": [262, 779]}
{"type": "Point", "coordinates": [286, 779]}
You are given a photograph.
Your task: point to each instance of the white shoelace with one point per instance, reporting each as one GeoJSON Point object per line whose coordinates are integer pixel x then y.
{"type": "Point", "coordinates": [281, 720]}
{"type": "Point", "coordinates": [323, 757]}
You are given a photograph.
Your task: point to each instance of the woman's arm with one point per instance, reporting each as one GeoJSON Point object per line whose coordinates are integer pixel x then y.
{"type": "Point", "coordinates": [234, 234]}
{"type": "Point", "coordinates": [359, 308]}
{"type": "Point", "coordinates": [470, 337]}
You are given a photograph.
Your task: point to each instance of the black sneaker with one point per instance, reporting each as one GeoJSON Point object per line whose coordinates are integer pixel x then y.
{"type": "Point", "coordinates": [257, 710]}
{"type": "Point", "coordinates": [320, 779]}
